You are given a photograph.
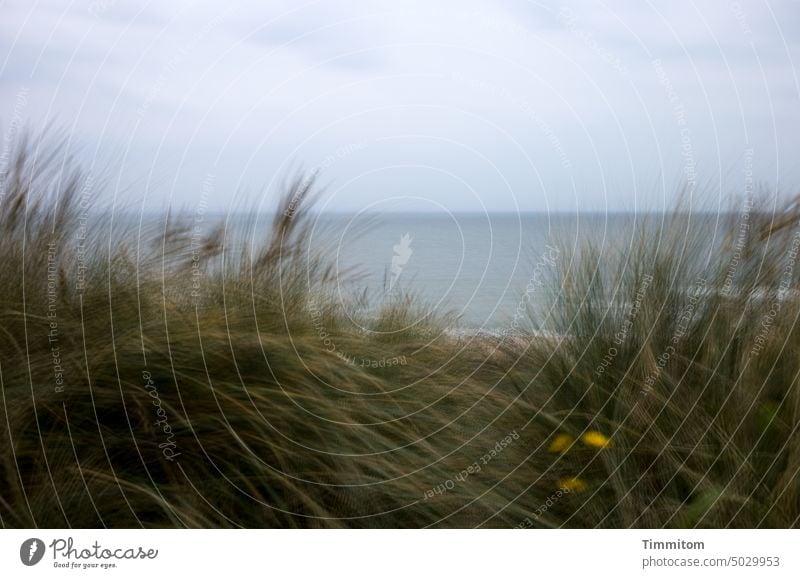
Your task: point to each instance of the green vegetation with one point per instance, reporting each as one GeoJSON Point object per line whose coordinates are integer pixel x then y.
{"type": "Point", "coordinates": [167, 380]}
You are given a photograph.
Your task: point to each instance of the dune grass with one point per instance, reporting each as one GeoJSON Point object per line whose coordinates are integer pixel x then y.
{"type": "Point", "coordinates": [175, 378]}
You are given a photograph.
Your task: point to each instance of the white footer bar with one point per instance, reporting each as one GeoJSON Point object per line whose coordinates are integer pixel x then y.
{"type": "Point", "coordinates": [401, 553]}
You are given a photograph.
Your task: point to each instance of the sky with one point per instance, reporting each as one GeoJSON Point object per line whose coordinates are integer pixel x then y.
{"type": "Point", "coordinates": [410, 105]}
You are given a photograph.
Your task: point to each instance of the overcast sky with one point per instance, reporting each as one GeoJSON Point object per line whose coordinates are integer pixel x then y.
{"type": "Point", "coordinates": [412, 104]}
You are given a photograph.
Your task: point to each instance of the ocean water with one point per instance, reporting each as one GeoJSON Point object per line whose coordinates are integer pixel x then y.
{"type": "Point", "coordinates": [480, 268]}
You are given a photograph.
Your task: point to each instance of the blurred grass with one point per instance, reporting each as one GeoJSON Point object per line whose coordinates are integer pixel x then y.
{"type": "Point", "coordinates": [245, 355]}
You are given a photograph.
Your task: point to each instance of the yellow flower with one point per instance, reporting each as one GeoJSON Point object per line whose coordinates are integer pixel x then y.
{"type": "Point", "coordinates": [560, 443]}
{"type": "Point", "coordinates": [572, 485]}
{"type": "Point", "coordinates": [596, 439]}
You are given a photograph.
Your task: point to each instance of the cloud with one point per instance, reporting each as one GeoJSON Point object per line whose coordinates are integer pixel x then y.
{"type": "Point", "coordinates": [527, 105]}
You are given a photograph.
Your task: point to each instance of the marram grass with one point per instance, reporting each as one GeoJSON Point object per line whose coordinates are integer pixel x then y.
{"type": "Point", "coordinates": [165, 379]}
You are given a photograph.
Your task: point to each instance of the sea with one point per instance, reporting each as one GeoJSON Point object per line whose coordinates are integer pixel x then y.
{"type": "Point", "coordinates": [480, 271]}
